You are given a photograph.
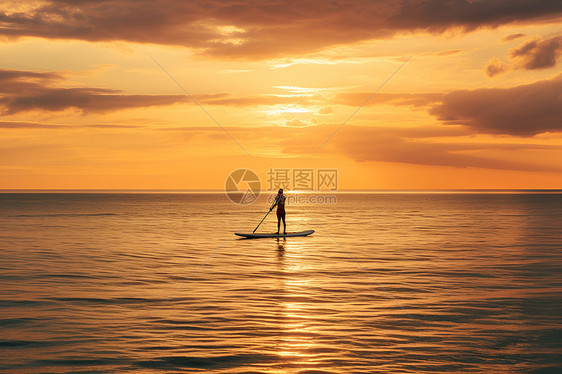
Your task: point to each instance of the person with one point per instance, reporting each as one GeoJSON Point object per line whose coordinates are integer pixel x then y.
{"type": "Point", "coordinates": [280, 202]}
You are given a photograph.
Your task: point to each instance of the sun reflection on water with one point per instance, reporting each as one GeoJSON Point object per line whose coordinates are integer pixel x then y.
{"type": "Point", "coordinates": [295, 340]}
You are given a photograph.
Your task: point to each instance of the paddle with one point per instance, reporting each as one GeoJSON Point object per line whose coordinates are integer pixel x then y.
{"type": "Point", "coordinates": [265, 215]}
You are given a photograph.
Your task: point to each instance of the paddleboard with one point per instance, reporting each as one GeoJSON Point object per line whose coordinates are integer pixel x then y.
{"type": "Point", "coordinates": [274, 235]}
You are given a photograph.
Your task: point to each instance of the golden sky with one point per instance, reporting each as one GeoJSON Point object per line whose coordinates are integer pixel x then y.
{"type": "Point", "coordinates": [90, 92]}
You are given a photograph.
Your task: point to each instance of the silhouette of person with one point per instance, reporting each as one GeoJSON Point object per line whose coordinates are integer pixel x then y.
{"type": "Point", "coordinates": [280, 202]}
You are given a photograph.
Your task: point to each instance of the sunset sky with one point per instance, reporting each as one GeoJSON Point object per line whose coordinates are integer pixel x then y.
{"type": "Point", "coordinates": [87, 102]}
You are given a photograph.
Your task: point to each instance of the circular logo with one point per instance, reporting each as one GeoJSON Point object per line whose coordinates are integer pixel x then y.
{"type": "Point", "coordinates": [242, 186]}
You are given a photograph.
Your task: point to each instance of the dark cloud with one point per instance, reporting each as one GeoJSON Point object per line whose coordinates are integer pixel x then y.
{"type": "Point", "coordinates": [511, 37]}
{"type": "Point", "coordinates": [22, 91]}
{"type": "Point", "coordinates": [537, 53]}
{"type": "Point", "coordinates": [27, 125]}
{"type": "Point", "coordinates": [495, 67]}
{"type": "Point", "coordinates": [523, 110]}
{"type": "Point", "coordinates": [261, 28]}
{"type": "Point", "coordinates": [36, 125]}
{"type": "Point", "coordinates": [84, 99]}
{"type": "Point", "coordinates": [7, 75]}
{"type": "Point", "coordinates": [22, 82]}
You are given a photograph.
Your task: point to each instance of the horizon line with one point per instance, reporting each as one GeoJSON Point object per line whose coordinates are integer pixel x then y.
{"type": "Point", "coordinates": [339, 191]}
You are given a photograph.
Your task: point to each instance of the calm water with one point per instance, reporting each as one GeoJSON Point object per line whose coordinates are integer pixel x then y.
{"type": "Point", "coordinates": [389, 283]}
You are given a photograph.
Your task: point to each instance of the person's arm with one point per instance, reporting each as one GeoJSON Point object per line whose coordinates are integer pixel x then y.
{"type": "Point", "coordinates": [274, 203]}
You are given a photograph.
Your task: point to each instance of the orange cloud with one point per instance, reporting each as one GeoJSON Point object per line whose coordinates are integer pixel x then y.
{"type": "Point", "coordinates": [423, 145]}
{"type": "Point", "coordinates": [382, 144]}
{"type": "Point", "coordinates": [495, 67]}
{"type": "Point", "coordinates": [399, 99]}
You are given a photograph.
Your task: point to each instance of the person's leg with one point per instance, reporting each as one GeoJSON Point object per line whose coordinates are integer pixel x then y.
{"type": "Point", "coordinates": [278, 223]}
{"type": "Point", "coordinates": [284, 225]}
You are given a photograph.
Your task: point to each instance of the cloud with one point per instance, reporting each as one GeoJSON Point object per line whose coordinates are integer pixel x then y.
{"type": "Point", "coordinates": [495, 67]}
{"type": "Point", "coordinates": [259, 28]}
{"type": "Point", "coordinates": [511, 37]}
{"type": "Point", "coordinates": [375, 144]}
{"type": "Point", "coordinates": [537, 53]}
{"type": "Point", "coordinates": [299, 123]}
{"type": "Point", "coordinates": [36, 125]}
{"type": "Point", "coordinates": [524, 110]}
{"type": "Point", "coordinates": [84, 99]}
{"type": "Point", "coordinates": [432, 145]}
{"type": "Point", "coordinates": [7, 75]}
{"type": "Point", "coordinates": [22, 82]}
{"type": "Point", "coordinates": [446, 52]}
{"type": "Point", "coordinates": [23, 91]}
{"type": "Point", "coordinates": [257, 100]}
{"type": "Point", "coordinates": [398, 99]}
{"type": "Point", "coordinates": [425, 145]}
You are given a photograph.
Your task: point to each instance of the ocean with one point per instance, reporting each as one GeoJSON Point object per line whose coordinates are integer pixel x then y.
{"type": "Point", "coordinates": [388, 283]}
